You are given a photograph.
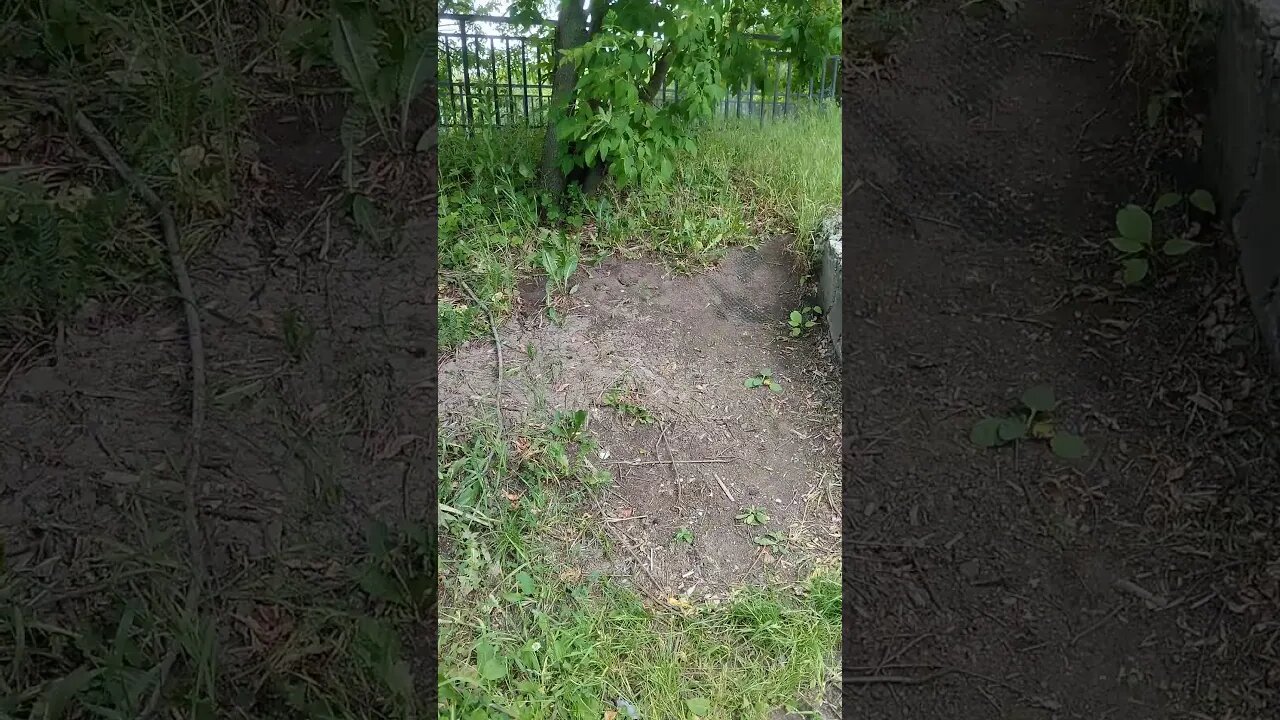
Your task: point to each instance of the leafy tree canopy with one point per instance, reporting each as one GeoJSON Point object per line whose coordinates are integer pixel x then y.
{"type": "Point", "coordinates": [623, 52]}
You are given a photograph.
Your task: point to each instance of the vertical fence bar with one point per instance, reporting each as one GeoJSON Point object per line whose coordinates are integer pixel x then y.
{"type": "Point", "coordinates": [777, 75]}
{"type": "Point", "coordinates": [786, 97]}
{"type": "Point", "coordinates": [511, 93]}
{"type": "Point", "coordinates": [524, 80]}
{"type": "Point", "coordinates": [466, 79]}
{"type": "Point", "coordinates": [493, 74]}
{"type": "Point", "coordinates": [448, 69]}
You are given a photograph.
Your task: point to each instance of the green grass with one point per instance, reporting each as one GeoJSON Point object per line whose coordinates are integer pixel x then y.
{"type": "Point", "coordinates": [161, 82]}
{"type": "Point", "coordinates": [525, 633]}
{"type": "Point", "coordinates": [743, 183]}
{"type": "Point", "coordinates": [278, 640]}
{"type": "Point", "coordinates": [1170, 38]}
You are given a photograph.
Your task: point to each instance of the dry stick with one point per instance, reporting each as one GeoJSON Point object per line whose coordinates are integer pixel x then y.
{"type": "Point", "coordinates": [195, 342]}
{"type": "Point", "coordinates": [672, 462]}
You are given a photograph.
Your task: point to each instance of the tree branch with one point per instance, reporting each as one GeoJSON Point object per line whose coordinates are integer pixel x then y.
{"type": "Point", "coordinates": [659, 77]}
{"type": "Point", "coordinates": [599, 8]}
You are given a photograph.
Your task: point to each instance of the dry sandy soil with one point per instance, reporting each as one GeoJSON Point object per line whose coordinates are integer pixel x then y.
{"type": "Point", "coordinates": [681, 348]}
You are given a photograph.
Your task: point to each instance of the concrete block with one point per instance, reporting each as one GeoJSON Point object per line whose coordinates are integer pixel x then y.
{"type": "Point", "coordinates": [827, 246]}
{"type": "Point", "coordinates": [1242, 149]}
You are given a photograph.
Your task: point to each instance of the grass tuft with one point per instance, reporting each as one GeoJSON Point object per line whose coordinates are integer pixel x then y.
{"type": "Point", "coordinates": [742, 183]}
{"type": "Point", "coordinates": [526, 632]}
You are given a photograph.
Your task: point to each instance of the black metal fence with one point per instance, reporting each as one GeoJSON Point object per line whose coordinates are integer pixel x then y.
{"type": "Point", "coordinates": [489, 77]}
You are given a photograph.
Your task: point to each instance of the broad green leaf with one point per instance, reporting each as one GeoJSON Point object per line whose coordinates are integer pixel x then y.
{"type": "Point", "coordinates": [526, 583]}
{"type": "Point", "coordinates": [775, 387]}
{"type": "Point", "coordinates": [365, 214]}
{"type": "Point", "coordinates": [353, 53]}
{"type": "Point", "coordinates": [1155, 107]}
{"type": "Point", "coordinates": [1068, 446]}
{"type": "Point", "coordinates": [493, 669]}
{"type": "Point", "coordinates": [489, 663]}
{"type": "Point", "coordinates": [1039, 398]}
{"type": "Point", "coordinates": [1135, 271]}
{"type": "Point", "coordinates": [1012, 429]}
{"type": "Point", "coordinates": [1203, 200]}
{"type": "Point", "coordinates": [1134, 223]}
{"type": "Point", "coordinates": [699, 706]}
{"type": "Point", "coordinates": [63, 690]}
{"type": "Point", "coordinates": [1166, 201]}
{"type": "Point", "coordinates": [753, 382]}
{"type": "Point", "coordinates": [986, 433]}
{"type": "Point", "coordinates": [796, 317]}
{"type": "Point", "coordinates": [1179, 246]}
{"type": "Point", "coordinates": [1127, 245]}
{"type": "Point", "coordinates": [415, 70]}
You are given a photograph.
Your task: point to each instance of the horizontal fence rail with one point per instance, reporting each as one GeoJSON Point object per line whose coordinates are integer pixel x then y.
{"type": "Point", "coordinates": [491, 77]}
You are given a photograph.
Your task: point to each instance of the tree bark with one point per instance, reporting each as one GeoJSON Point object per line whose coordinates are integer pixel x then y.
{"type": "Point", "coordinates": [571, 32]}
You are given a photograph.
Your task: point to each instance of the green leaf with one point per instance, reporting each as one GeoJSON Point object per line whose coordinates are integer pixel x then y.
{"type": "Point", "coordinates": [415, 70]}
{"type": "Point", "coordinates": [775, 387]}
{"type": "Point", "coordinates": [489, 663]}
{"type": "Point", "coordinates": [1134, 223]}
{"type": "Point", "coordinates": [1011, 429]}
{"type": "Point", "coordinates": [1126, 245]}
{"type": "Point", "coordinates": [1155, 107]}
{"type": "Point", "coordinates": [365, 214]}
{"type": "Point", "coordinates": [526, 583]}
{"type": "Point", "coordinates": [63, 690]}
{"type": "Point", "coordinates": [986, 433]}
{"type": "Point", "coordinates": [1179, 246]}
{"type": "Point", "coordinates": [1039, 398]}
{"type": "Point", "coordinates": [1135, 270]}
{"type": "Point", "coordinates": [353, 53]}
{"type": "Point", "coordinates": [1203, 200]}
{"type": "Point", "coordinates": [1166, 201]}
{"type": "Point", "coordinates": [1068, 446]}
{"type": "Point", "coordinates": [796, 317]}
{"type": "Point", "coordinates": [753, 382]}
{"type": "Point", "coordinates": [698, 706]}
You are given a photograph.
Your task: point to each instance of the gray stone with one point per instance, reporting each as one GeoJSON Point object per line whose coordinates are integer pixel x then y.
{"type": "Point", "coordinates": [828, 247]}
{"type": "Point", "coordinates": [1242, 150]}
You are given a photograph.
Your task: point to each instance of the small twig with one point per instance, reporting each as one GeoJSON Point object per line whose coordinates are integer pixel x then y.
{"type": "Point", "coordinates": [195, 341]}
{"type": "Point", "coordinates": [935, 221]}
{"type": "Point", "coordinates": [1132, 588]}
{"type": "Point", "coordinates": [725, 489]}
{"type": "Point", "coordinates": [672, 462]}
{"type": "Point", "coordinates": [1068, 56]}
{"type": "Point", "coordinates": [897, 679]}
{"type": "Point", "coordinates": [1105, 619]}
{"type": "Point", "coordinates": [624, 519]}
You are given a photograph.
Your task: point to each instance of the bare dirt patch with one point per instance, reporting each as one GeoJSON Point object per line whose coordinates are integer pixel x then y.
{"type": "Point", "coordinates": [989, 162]}
{"type": "Point", "coordinates": [681, 348]}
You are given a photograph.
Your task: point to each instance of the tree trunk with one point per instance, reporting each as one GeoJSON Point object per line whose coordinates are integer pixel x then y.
{"type": "Point", "coordinates": [571, 32]}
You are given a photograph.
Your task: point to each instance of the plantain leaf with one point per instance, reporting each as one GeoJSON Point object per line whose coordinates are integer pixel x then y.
{"type": "Point", "coordinates": [415, 70]}
{"type": "Point", "coordinates": [1203, 200]}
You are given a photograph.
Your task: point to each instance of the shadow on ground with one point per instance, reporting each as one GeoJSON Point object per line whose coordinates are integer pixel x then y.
{"type": "Point", "coordinates": [987, 165]}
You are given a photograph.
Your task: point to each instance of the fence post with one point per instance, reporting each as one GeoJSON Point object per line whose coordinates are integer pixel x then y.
{"type": "Point", "coordinates": [524, 80]}
{"type": "Point", "coordinates": [466, 79]}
